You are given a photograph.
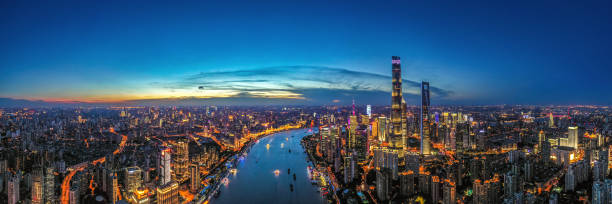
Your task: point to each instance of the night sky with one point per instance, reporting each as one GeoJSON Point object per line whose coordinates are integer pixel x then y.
{"type": "Point", "coordinates": [308, 52]}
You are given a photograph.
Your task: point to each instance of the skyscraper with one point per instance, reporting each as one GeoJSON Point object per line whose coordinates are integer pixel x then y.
{"type": "Point", "coordinates": [164, 166]}
{"type": "Point", "coordinates": [13, 189]}
{"type": "Point", "coordinates": [37, 186]}
{"type": "Point", "coordinates": [195, 178]}
{"type": "Point", "coordinates": [383, 182]}
{"type": "Point", "coordinates": [181, 158]}
{"type": "Point", "coordinates": [572, 137]}
{"type": "Point", "coordinates": [133, 178]}
{"type": "Point", "coordinates": [396, 102]}
{"type": "Point", "coordinates": [49, 187]}
{"type": "Point", "coordinates": [425, 141]}
{"type": "Point", "coordinates": [168, 193]}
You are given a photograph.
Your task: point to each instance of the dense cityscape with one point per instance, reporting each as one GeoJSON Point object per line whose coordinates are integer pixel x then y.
{"type": "Point", "coordinates": [305, 102]}
{"type": "Point", "coordinates": [355, 154]}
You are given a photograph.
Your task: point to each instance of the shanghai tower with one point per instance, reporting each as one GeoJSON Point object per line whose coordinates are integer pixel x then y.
{"type": "Point", "coordinates": [425, 140]}
{"type": "Point", "coordinates": [396, 102]}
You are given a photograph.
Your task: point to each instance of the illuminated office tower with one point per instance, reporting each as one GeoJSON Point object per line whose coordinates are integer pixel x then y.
{"type": "Point", "coordinates": [572, 137]}
{"type": "Point", "coordinates": [551, 120]}
{"type": "Point", "coordinates": [49, 185]}
{"type": "Point", "coordinates": [425, 141]}
{"type": "Point", "coordinates": [164, 166]}
{"type": "Point", "coordinates": [181, 158]}
{"type": "Point", "coordinates": [168, 193]}
{"type": "Point", "coordinates": [541, 139]}
{"type": "Point", "coordinates": [133, 178]}
{"type": "Point", "coordinates": [37, 186]}
{"type": "Point", "coordinates": [12, 186]}
{"type": "Point", "coordinates": [115, 189]}
{"type": "Point", "coordinates": [195, 178]}
{"type": "Point", "coordinates": [382, 129]}
{"type": "Point", "coordinates": [404, 138]}
{"type": "Point", "coordinates": [396, 102]}
{"type": "Point", "coordinates": [352, 131]}
{"type": "Point", "coordinates": [369, 111]}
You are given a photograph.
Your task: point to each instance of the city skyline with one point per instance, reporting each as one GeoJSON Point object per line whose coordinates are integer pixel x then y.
{"type": "Point", "coordinates": [197, 54]}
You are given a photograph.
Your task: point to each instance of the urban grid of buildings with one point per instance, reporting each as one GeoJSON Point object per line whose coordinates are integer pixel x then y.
{"type": "Point", "coordinates": [360, 154]}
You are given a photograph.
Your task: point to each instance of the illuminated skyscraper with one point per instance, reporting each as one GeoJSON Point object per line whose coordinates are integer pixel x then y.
{"type": "Point", "coordinates": [551, 120]}
{"type": "Point", "coordinates": [369, 111]}
{"type": "Point", "coordinates": [396, 102]}
{"type": "Point", "coordinates": [181, 158]}
{"type": "Point", "coordinates": [133, 178]}
{"type": "Point", "coordinates": [541, 139]}
{"type": "Point", "coordinates": [382, 129]}
{"type": "Point", "coordinates": [572, 137]}
{"type": "Point", "coordinates": [49, 187]}
{"type": "Point", "coordinates": [195, 178]}
{"type": "Point", "coordinates": [164, 167]}
{"type": "Point", "coordinates": [425, 141]}
{"type": "Point", "coordinates": [37, 186]}
{"type": "Point", "coordinates": [115, 189]}
{"type": "Point", "coordinates": [168, 193]}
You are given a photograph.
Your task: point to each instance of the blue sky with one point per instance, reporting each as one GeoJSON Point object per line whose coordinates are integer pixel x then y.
{"type": "Point", "coordinates": [472, 52]}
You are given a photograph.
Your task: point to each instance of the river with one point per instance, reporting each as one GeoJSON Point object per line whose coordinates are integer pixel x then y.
{"type": "Point", "coordinates": [256, 182]}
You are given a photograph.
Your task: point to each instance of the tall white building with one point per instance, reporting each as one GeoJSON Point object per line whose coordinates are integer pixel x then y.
{"type": "Point", "coordinates": [572, 137]}
{"type": "Point", "coordinates": [165, 157]}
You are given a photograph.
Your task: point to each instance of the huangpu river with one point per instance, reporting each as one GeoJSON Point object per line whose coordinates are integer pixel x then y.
{"type": "Point", "coordinates": [256, 180]}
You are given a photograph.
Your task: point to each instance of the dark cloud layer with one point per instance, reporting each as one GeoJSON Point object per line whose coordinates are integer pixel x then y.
{"type": "Point", "coordinates": [314, 84]}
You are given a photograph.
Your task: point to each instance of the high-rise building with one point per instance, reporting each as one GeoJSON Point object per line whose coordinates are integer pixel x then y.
{"type": "Point", "coordinates": [383, 183]}
{"type": "Point", "coordinates": [168, 193]}
{"type": "Point", "coordinates": [181, 158]}
{"type": "Point", "coordinates": [396, 102]}
{"type": "Point", "coordinates": [406, 183]}
{"type": "Point", "coordinates": [133, 178]}
{"type": "Point", "coordinates": [598, 195]}
{"type": "Point", "coordinates": [12, 186]}
{"type": "Point", "coordinates": [195, 178]}
{"type": "Point", "coordinates": [480, 192]}
{"type": "Point", "coordinates": [551, 120]}
{"type": "Point", "coordinates": [73, 195]}
{"type": "Point", "coordinates": [510, 183]}
{"type": "Point", "coordinates": [382, 129]}
{"type": "Point", "coordinates": [570, 180]}
{"type": "Point", "coordinates": [352, 131]}
{"type": "Point", "coordinates": [541, 139]}
{"type": "Point", "coordinates": [164, 157]}
{"type": "Point", "coordinates": [349, 169]}
{"type": "Point", "coordinates": [49, 185]}
{"type": "Point", "coordinates": [572, 137]}
{"type": "Point", "coordinates": [603, 159]}
{"type": "Point", "coordinates": [37, 186]}
{"type": "Point", "coordinates": [369, 111]}
{"type": "Point", "coordinates": [450, 191]}
{"type": "Point", "coordinates": [424, 119]}
{"type": "Point", "coordinates": [114, 191]}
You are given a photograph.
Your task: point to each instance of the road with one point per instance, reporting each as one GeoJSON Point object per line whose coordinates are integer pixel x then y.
{"type": "Point", "coordinates": [65, 196]}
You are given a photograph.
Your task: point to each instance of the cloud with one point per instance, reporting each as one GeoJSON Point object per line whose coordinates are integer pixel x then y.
{"type": "Point", "coordinates": [314, 84]}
